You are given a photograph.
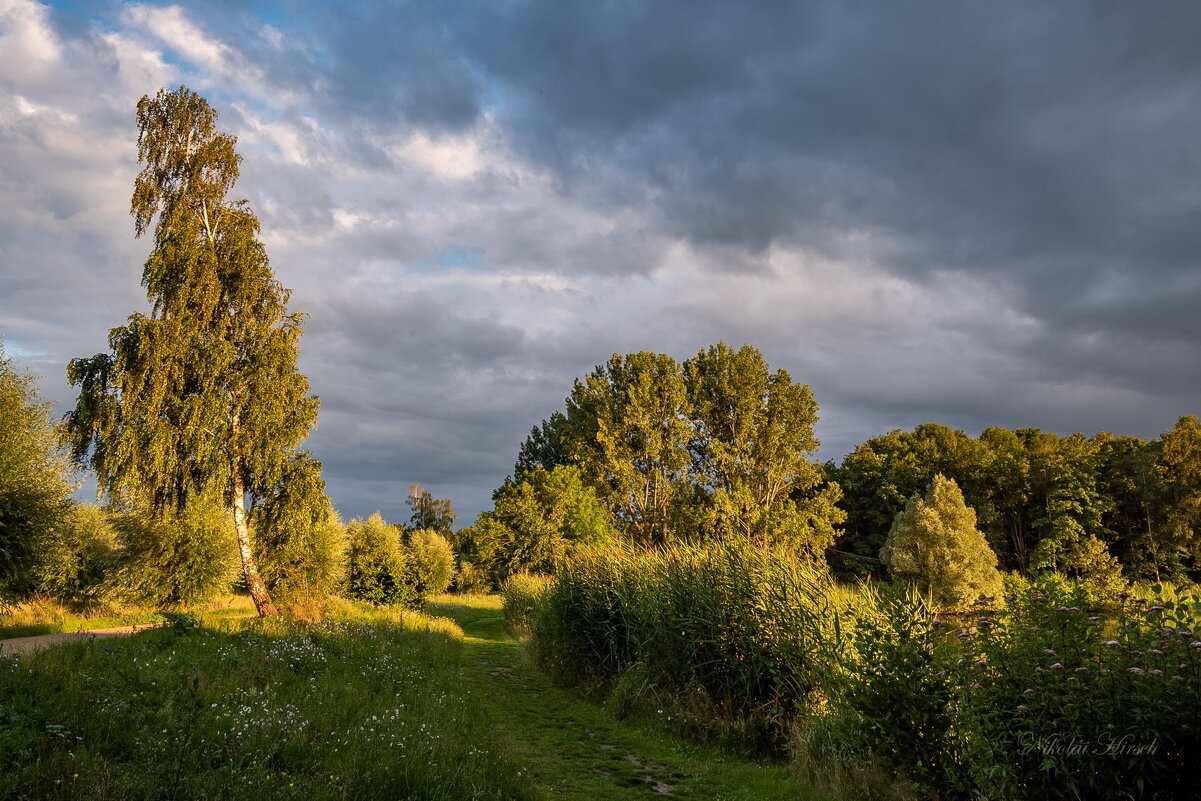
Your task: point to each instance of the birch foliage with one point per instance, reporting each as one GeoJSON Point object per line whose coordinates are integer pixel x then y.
{"type": "Point", "coordinates": [200, 396]}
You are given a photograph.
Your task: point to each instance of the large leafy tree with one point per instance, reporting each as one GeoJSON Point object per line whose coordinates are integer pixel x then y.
{"type": "Point", "coordinates": [752, 446]}
{"type": "Point", "coordinates": [202, 395]}
{"type": "Point", "coordinates": [628, 430]}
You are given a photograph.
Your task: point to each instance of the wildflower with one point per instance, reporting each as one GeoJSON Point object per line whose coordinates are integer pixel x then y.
{"type": "Point", "coordinates": [1021, 707]}
{"type": "Point", "coordinates": [1010, 598]}
{"type": "Point", "coordinates": [1111, 642]}
{"type": "Point", "coordinates": [1155, 651]}
{"type": "Point", "coordinates": [1156, 608]}
{"type": "Point", "coordinates": [1049, 651]}
{"type": "Point", "coordinates": [977, 687]}
{"type": "Point", "coordinates": [1080, 669]}
{"type": "Point", "coordinates": [1063, 609]}
{"type": "Point", "coordinates": [1155, 672]}
{"type": "Point", "coordinates": [1039, 669]}
{"type": "Point", "coordinates": [934, 622]}
{"type": "Point", "coordinates": [984, 622]}
{"type": "Point", "coordinates": [961, 635]}
{"type": "Point", "coordinates": [1092, 618]}
{"type": "Point", "coordinates": [1138, 671]}
{"type": "Point", "coordinates": [1195, 644]}
{"type": "Point", "coordinates": [1028, 691]}
{"type": "Point", "coordinates": [980, 662]}
{"type": "Point", "coordinates": [1057, 666]}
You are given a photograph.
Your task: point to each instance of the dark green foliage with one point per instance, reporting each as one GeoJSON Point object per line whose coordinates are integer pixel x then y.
{"type": "Point", "coordinates": [1093, 507]}
{"type": "Point", "coordinates": [176, 559]}
{"type": "Point", "coordinates": [34, 490]}
{"type": "Point", "coordinates": [76, 557]}
{"type": "Point", "coordinates": [301, 542]}
{"type": "Point", "coordinates": [535, 521]}
{"type": "Point", "coordinates": [545, 447]}
{"type": "Point", "coordinates": [751, 447]}
{"type": "Point", "coordinates": [431, 562]}
{"type": "Point", "coordinates": [377, 568]}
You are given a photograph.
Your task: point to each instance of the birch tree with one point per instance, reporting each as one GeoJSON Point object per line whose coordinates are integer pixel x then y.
{"type": "Point", "coordinates": [201, 397]}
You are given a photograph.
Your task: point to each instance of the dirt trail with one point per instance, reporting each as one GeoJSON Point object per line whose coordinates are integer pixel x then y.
{"type": "Point", "coordinates": [25, 645]}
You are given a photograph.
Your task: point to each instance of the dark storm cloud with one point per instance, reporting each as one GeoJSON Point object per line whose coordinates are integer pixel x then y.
{"type": "Point", "coordinates": [973, 213]}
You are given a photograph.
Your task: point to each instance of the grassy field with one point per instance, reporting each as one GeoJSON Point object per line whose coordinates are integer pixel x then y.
{"type": "Point", "coordinates": [373, 704]}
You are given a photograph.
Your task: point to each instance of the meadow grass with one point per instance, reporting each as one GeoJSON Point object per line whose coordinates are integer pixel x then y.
{"type": "Point", "coordinates": [366, 706]}
{"type": "Point", "coordinates": [569, 747]}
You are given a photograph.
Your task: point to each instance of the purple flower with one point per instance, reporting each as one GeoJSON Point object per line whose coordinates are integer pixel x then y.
{"type": "Point", "coordinates": [1195, 644]}
{"type": "Point", "coordinates": [977, 687]}
{"type": "Point", "coordinates": [1155, 651]}
{"type": "Point", "coordinates": [1155, 672]}
{"type": "Point", "coordinates": [1079, 669]}
{"type": "Point", "coordinates": [1049, 651]}
{"type": "Point", "coordinates": [1156, 608]}
{"type": "Point", "coordinates": [1057, 666]}
{"type": "Point", "coordinates": [963, 634]}
{"type": "Point", "coordinates": [1138, 671]}
{"type": "Point", "coordinates": [1111, 642]}
{"type": "Point", "coordinates": [980, 662]}
{"type": "Point", "coordinates": [935, 622]}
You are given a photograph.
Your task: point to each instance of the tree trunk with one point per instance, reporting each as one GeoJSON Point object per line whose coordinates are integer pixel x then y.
{"type": "Point", "coordinates": [254, 582]}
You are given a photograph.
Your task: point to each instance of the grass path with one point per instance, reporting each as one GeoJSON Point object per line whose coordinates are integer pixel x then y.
{"type": "Point", "coordinates": [568, 748]}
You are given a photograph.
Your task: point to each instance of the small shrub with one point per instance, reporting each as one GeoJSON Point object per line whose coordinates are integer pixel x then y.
{"type": "Point", "coordinates": [77, 556]}
{"type": "Point", "coordinates": [300, 543]}
{"type": "Point", "coordinates": [934, 542]}
{"type": "Point", "coordinates": [174, 560]}
{"type": "Point", "coordinates": [431, 560]}
{"type": "Point", "coordinates": [377, 568]}
{"type": "Point", "coordinates": [471, 579]}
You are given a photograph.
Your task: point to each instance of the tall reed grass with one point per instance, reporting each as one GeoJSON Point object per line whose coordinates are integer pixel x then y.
{"type": "Point", "coordinates": [1030, 696]}
{"type": "Point", "coordinates": [729, 639]}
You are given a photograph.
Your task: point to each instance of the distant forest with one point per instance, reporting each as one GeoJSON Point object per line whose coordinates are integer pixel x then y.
{"type": "Point", "coordinates": [652, 450]}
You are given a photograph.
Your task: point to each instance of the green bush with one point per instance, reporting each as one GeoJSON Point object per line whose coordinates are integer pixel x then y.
{"type": "Point", "coordinates": [174, 560]}
{"type": "Point", "coordinates": [77, 556]}
{"type": "Point", "coordinates": [471, 579]}
{"type": "Point", "coordinates": [1038, 700]}
{"type": "Point", "coordinates": [934, 543]}
{"type": "Point", "coordinates": [34, 487]}
{"type": "Point", "coordinates": [431, 560]}
{"type": "Point", "coordinates": [377, 568]}
{"type": "Point", "coordinates": [300, 544]}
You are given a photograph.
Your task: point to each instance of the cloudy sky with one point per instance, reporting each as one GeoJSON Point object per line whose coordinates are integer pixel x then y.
{"type": "Point", "coordinates": [973, 213]}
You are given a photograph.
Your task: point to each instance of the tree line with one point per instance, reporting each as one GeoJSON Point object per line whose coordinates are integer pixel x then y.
{"type": "Point", "coordinates": [721, 445]}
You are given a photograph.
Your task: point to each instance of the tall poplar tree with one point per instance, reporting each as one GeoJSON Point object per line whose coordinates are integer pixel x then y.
{"type": "Point", "coordinates": [200, 398]}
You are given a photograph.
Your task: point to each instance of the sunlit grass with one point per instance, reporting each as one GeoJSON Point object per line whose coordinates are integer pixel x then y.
{"type": "Point", "coordinates": [367, 705]}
